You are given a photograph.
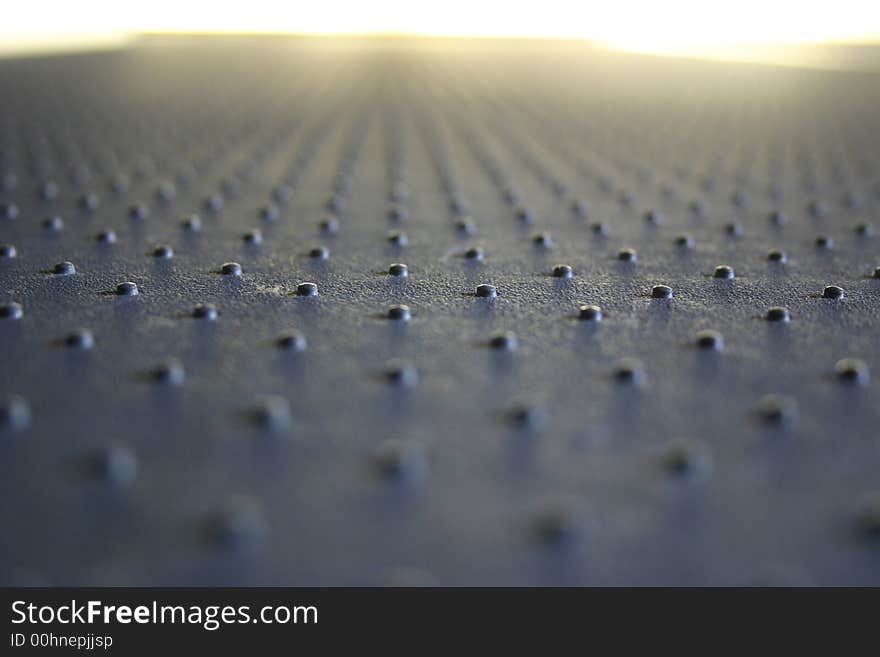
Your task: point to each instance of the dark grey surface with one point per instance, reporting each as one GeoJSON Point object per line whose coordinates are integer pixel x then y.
{"type": "Point", "coordinates": [413, 452]}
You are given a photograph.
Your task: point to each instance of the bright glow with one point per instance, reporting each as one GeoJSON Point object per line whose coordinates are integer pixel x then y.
{"type": "Point", "coordinates": [668, 26]}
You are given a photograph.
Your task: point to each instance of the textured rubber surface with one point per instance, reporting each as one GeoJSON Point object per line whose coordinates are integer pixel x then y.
{"type": "Point", "coordinates": [460, 420]}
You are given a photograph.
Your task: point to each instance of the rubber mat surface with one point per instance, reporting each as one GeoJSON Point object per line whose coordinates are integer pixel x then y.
{"type": "Point", "coordinates": [368, 312]}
